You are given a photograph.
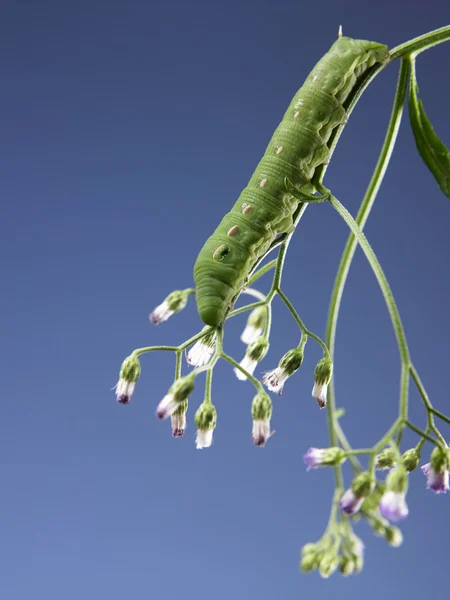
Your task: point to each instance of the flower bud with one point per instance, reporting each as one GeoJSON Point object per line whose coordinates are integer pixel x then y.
{"type": "Point", "coordinates": [353, 498]}
{"type": "Point", "coordinates": [129, 374]}
{"type": "Point", "coordinates": [310, 560]}
{"type": "Point", "coordinates": [346, 566]}
{"type": "Point", "coordinates": [256, 323]}
{"type": "Point", "coordinates": [322, 377]}
{"type": "Point", "coordinates": [393, 504]}
{"type": "Point", "coordinates": [393, 536]}
{"type": "Point", "coordinates": [288, 365]}
{"type": "Point", "coordinates": [205, 420]}
{"type": "Point", "coordinates": [386, 459]}
{"type": "Point", "coordinates": [410, 459]}
{"type": "Point", "coordinates": [256, 351]}
{"type": "Point", "coordinates": [178, 419]}
{"type": "Point", "coordinates": [174, 303]}
{"type": "Point", "coordinates": [436, 472]}
{"type": "Point", "coordinates": [324, 457]}
{"type": "Point", "coordinates": [328, 564]}
{"type": "Point", "coordinates": [178, 392]}
{"type": "Point", "coordinates": [261, 413]}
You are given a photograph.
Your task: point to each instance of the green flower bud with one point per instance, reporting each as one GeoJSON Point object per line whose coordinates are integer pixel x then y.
{"type": "Point", "coordinates": [346, 566]}
{"type": "Point", "coordinates": [378, 526]}
{"type": "Point", "coordinates": [256, 351]}
{"type": "Point", "coordinates": [309, 562]}
{"type": "Point", "coordinates": [386, 459]}
{"type": "Point", "coordinates": [256, 323]}
{"type": "Point", "coordinates": [393, 536]}
{"type": "Point", "coordinates": [439, 460]}
{"type": "Point", "coordinates": [328, 564]}
{"type": "Point", "coordinates": [322, 377]}
{"type": "Point", "coordinates": [310, 548]}
{"type": "Point", "coordinates": [205, 419]}
{"type": "Point", "coordinates": [397, 480]}
{"type": "Point", "coordinates": [178, 392]}
{"type": "Point", "coordinates": [129, 374]}
{"type": "Point", "coordinates": [324, 457]}
{"type": "Point", "coordinates": [410, 459]}
{"type": "Point", "coordinates": [261, 413]}
{"type": "Point", "coordinates": [291, 361]}
{"type": "Point", "coordinates": [371, 503]}
{"type": "Point", "coordinates": [174, 303]}
{"type": "Point", "coordinates": [363, 485]}
{"type": "Point", "coordinates": [178, 419]}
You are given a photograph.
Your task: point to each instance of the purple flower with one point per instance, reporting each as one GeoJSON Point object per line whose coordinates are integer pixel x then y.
{"type": "Point", "coordinates": [438, 482]}
{"type": "Point", "coordinates": [350, 503]}
{"type": "Point", "coordinates": [393, 506]}
{"type": "Point", "coordinates": [313, 458]}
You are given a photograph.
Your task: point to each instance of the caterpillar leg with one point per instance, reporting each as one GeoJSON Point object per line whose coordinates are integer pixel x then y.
{"type": "Point", "coordinates": [304, 196]}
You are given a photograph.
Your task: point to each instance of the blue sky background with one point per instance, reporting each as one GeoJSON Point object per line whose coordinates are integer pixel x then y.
{"type": "Point", "coordinates": [127, 130]}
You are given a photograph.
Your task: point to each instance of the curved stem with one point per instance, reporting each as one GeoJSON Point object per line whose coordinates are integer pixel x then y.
{"type": "Point", "coordinates": [421, 43]}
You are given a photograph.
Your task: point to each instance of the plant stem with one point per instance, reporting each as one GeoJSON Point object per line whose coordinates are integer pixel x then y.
{"type": "Point", "coordinates": [421, 43]}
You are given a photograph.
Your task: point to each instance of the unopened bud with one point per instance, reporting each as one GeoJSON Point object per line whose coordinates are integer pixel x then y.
{"type": "Point", "coordinates": [129, 374]}
{"type": "Point", "coordinates": [174, 303]}
{"type": "Point", "coordinates": [205, 420]}
{"type": "Point", "coordinates": [393, 536]}
{"type": "Point", "coordinates": [178, 392]}
{"type": "Point", "coordinates": [256, 351]}
{"type": "Point", "coordinates": [256, 323]}
{"type": "Point", "coordinates": [178, 419]}
{"type": "Point", "coordinates": [386, 459]}
{"type": "Point", "coordinates": [328, 564]}
{"type": "Point", "coordinates": [410, 459]}
{"type": "Point", "coordinates": [261, 413]}
{"type": "Point", "coordinates": [322, 377]}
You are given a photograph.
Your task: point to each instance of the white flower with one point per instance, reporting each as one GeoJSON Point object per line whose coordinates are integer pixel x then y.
{"type": "Point", "coordinates": [204, 438]}
{"type": "Point", "coordinates": [251, 334]}
{"type": "Point", "coordinates": [124, 390]}
{"type": "Point", "coordinates": [436, 481]}
{"type": "Point", "coordinates": [319, 392]}
{"type": "Point", "coordinates": [248, 364]}
{"type": "Point", "coordinates": [200, 354]}
{"type": "Point", "coordinates": [393, 506]}
{"type": "Point", "coordinates": [167, 406]}
{"type": "Point", "coordinates": [261, 431]}
{"type": "Point", "coordinates": [274, 380]}
{"type": "Point", "coordinates": [161, 313]}
{"type": "Point", "coordinates": [178, 424]}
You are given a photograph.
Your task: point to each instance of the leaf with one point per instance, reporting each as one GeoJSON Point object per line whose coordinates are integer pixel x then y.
{"type": "Point", "coordinates": [433, 151]}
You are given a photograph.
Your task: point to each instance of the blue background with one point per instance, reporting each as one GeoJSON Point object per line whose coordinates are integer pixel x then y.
{"type": "Point", "coordinates": [127, 130]}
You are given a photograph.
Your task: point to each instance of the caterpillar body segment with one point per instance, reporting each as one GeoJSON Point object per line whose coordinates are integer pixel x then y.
{"type": "Point", "coordinates": [265, 208]}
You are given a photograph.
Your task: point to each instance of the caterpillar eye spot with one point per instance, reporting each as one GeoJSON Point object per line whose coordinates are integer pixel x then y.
{"type": "Point", "coordinates": [246, 208]}
{"type": "Point", "coordinates": [220, 252]}
{"type": "Point", "coordinates": [233, 231]}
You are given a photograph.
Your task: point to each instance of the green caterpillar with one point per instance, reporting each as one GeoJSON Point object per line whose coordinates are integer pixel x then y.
{"type": "Point", "coordinates": [265, 208]}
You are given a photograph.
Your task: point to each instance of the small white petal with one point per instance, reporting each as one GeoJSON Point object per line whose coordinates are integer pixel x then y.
{"type": "Point", "coordinates": [274, 380]}
{"type": "Point", "coordinates": [166, 407]}
{"type": "Point", "coordinates": [124, 391]}
{"type": "Point", "coordinates": [261, 431]}
{"type": "Point", "coordinates": [251, 334]}
{"type": "Point", "coordinates": [200, 354]}
{"type": "Point", "coordinates": [161, 313]}
{"type": "Point", "coordinates": [319, 392]}
{"type": "Point", "coordinates": [204, 438]}
{"type": "Point", "coordinates": [248, 364]}
{"type": "Point", "coordinates": [178, 424]}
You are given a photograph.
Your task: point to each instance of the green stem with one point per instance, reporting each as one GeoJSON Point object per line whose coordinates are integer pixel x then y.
{"type": "Point", "coordinates": [380, 276]}
{"type": "Point", "coordinates": [258, 385]}
{"type": "Point", "coordinates": [262, 271]}
{"type": "Point", "coordinates": [423, 434]}
{"type": "Point", "coordinates": [139, 351]}
{"type": "Point", "coordinates": [421, 43]}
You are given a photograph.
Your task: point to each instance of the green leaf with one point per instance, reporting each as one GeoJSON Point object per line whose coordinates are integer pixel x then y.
{"type": "Point", "coordinates": [433, 151]}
